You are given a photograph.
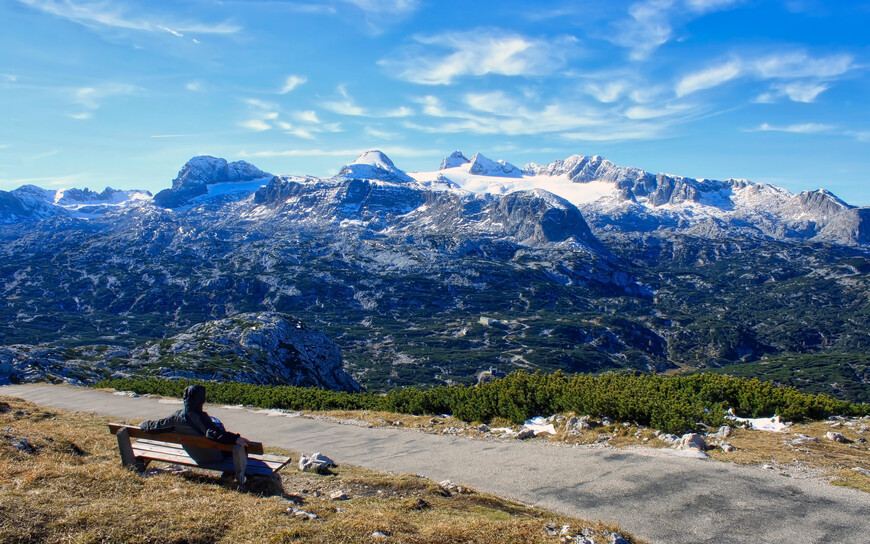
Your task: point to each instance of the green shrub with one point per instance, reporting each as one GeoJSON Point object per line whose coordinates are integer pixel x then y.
{"type": "Point", "coordinates": [672, 404]}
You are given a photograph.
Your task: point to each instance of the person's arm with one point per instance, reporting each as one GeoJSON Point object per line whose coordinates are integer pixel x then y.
{"type": "Point", "coordinates": [212, 431]}
{"type": "Point", "coordinates": [165, 425]}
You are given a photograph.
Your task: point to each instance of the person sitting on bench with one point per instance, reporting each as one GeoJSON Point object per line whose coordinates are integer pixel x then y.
{"type": "Point", "coordinates": [194, 421]}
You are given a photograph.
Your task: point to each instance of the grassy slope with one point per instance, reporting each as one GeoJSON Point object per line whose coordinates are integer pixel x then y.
{"type": "Point", "coordinates": [73, 489]}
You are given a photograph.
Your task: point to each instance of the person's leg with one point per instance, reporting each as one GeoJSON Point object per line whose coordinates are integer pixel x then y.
{"type": "Point", "coordinates": [240, 461]}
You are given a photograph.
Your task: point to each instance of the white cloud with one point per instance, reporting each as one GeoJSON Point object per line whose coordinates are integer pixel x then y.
{"type": "Point", "coordinates": [261, 104]}
{"type": "Point", "coordinates": [257, 125]}
{"type": "Point", "coordinates": [706, 79]}
{"type": "Point", "coordinates": [381, 134]}
{"type": "Point", "coordinates": [307, 116]}
{"type": "Point", "coordinates": [292, 82]}
{"type": "Point", "coordinates": [608, 92]}
{"type": "Point", "coordinates": [401, 111]}
{"type": "Point", "coordinates": [799, 64]}
{"type": "Point", "coordinates": [386, 6]}
{"type": "Point", "coordinates": [804, 128]}
{"type": "Point", "coordinates": [648, 28]}
{"type": "Point", "coordinates": [377, 14]}
{"type": "Point", "coordinates": [81, 116]}
{"type": "Point", "coordinates": [300, 133]}
{"type": "Point", "coordinates": [803, 91]}
{"type": "Point", "coordinates": [100, 14]}
{"type": "Point", "coordinates": [639, 113]}
{"type": "Point", "coordinates": [478, 53]}
{"type": "Point", "coordinates": [92, 97]}
{"type": "Point", "coordinates": [711, 5]}
{"type": "Point", "coordinates": [345, 106]}
{"type": "Point", "coordinates": [194, 86]}
{"type": "Point", "coordinates": [351, 154]}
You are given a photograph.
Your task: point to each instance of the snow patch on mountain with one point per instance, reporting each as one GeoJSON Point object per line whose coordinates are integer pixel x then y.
{"type": "Point", "coordinates": [453, 160]}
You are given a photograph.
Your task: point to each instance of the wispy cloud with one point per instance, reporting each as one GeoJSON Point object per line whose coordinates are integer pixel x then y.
{"type": "Point", "coordinates": [97, 15]}
{"type": "Point", "coordinates": [712, 5]}
{"type": "Point", "coordinates": [349, 153]}
{"type": "Point", "coordinates": [257, 125]}
{"type": "Point", "coordinates": [345, 106]}
{"type": "Point", "coordinates": [161, 136]}
{"type": "Point", "coordinates": [378, 14]}
{"type": "Point", "coordinates": [647, 28]}
{"type": "Point", "coordinates": [194, 86]}
{"type": "Point", "coordinates": [81, 116]}
{"type": "Point", "coordinates": [307, 116]}
{"type": "Point", "coordinates": [708, 78]}
{"type": "Point", "coordinates": [799, 64]}
{"type": "Point", "coordinates": [803, 91]}
{"type": "Point", "coordinates": [291, 82]}
{"type": "Point", "coordinates": [607, 92]}
{"type": "Point", "coordinates": [477, 53]}
{"type": "Point", "coordinates": [803, 128]}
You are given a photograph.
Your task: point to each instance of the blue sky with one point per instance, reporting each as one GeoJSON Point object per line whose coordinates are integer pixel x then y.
{"type": "Point", "coordinates": [122, 93]}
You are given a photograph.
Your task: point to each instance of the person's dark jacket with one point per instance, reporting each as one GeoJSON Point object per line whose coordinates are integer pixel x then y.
{"type": "Point", "coordinates": [193, 421]}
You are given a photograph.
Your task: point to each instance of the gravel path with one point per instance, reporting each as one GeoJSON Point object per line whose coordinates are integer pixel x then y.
{"type": "Point", "coordinates": [657, 495]}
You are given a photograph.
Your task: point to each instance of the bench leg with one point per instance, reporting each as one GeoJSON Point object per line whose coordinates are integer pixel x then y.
{"type": "Point", "coordinates": [240, 461]}
{"type": "Point", "coordinates": [128, 459]}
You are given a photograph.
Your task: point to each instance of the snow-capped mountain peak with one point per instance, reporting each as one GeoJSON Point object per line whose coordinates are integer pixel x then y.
{"type": "Point", "coordinates": [453, 160]}
{"type": "Point", "coordinates": [374, 165]}
{"type": "Point", "coordinates": [482, 166]}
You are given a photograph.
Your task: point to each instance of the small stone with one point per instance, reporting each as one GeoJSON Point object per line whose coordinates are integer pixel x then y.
{"type": "Point", "coordinates": [338, 496]}
{"type": "Point", "coordinates": [836, 437]}
{"type": "Point", "coordinates": [301, 514]}
{"type": "Point", "coordinates": [616, 538]}
{"type": "Point", "coordinates": [691, 441]}
{"type": "Point", "coordinates": [24, 445]}
{"type": "Point", "coordinates": [726, 447]}
{"type": "Point", "coordinates": [863, 471]}
{"type": "Point", "coordinates": [417, 504]}
{"type": "Point", "coordinates": [484, 428]}
{"type": "Point", "coordinates": [566, 530]}
{"type": "Point", "coordinates": [524, 434]}
{"type": "Point", "coordinates": [378, 534]}
{"type": "Point", "coordinates": [724, 431]}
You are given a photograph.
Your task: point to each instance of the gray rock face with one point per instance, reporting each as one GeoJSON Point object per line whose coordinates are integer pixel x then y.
{"type": "Point", "coordinates": [201, 171]}
{"type": "Point", "coordinates": [266, 347]}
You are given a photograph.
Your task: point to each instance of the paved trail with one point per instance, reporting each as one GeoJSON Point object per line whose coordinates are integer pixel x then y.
{"type": "Point", "coordinates": [655, 495]}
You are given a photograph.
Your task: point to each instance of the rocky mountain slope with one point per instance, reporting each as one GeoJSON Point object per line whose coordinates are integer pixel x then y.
{"type": "Point", "coordinates": [262, 348]}
{"type": "Point", "coordinates": [430, 277]}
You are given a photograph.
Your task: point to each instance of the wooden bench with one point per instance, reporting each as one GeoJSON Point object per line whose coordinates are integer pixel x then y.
{"type": "Point", "coordinates": [169, 448]}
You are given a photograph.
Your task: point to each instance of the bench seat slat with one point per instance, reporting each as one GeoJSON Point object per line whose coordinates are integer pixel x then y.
{"type": "Point", "coordinates": [150, 449]}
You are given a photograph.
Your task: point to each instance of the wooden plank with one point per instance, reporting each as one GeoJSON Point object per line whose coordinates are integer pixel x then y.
{"type": "Point", "coordinates": [186, 439]}
{"type": "Point", "coordinates": [254, 466]}
{"type": "Point", "coordinates": [155, 450]}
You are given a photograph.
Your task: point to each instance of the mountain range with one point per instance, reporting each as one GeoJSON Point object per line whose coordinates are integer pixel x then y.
{"type": "Point", "coordinates": [430, 277]}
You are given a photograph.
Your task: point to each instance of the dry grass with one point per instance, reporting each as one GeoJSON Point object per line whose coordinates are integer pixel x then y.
{"type": "Point", "coordinates": [71, 487]}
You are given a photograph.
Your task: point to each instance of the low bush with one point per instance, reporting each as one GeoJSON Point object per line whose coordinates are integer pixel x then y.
{"type": "Point", "coordinates": [670, 403]}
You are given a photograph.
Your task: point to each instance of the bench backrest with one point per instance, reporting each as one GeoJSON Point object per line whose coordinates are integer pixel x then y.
{"type": "Point", "coordinates": [183, 439]}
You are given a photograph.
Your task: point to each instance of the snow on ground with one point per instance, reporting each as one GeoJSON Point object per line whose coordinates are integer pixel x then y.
{"type": "Point", "coordinates": [540, 425]}
{"type": "Point", "coordinates": [576, 193]}
{"type": "Point", "coordinates": [771, 424]}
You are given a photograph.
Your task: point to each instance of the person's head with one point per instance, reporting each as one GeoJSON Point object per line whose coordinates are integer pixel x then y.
{"type": "Point", "coordinates": [194, 398]}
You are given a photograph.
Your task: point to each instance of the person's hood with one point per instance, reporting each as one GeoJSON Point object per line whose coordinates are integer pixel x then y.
{"type": "Point", "coordinates": [194, 398]}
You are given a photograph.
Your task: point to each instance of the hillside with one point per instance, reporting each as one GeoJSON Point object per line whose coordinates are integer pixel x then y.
{"type": "Point", "coordinates": [62, 480]}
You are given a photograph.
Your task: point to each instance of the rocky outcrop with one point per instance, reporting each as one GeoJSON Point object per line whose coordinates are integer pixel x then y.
{"type": "Point", "coordinates": [201, 171]}
{"type": "Point", "coordinates": [264, 348]}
